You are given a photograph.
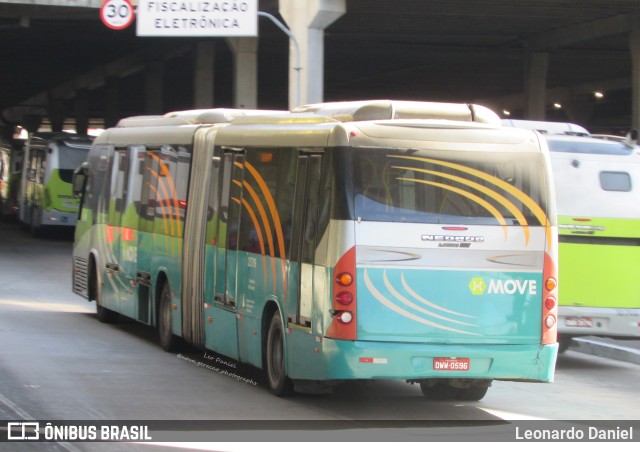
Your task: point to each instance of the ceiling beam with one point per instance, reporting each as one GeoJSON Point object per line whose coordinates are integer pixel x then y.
{"type": "Point", "coordinates": [558, 94]}
{"type": "Point", "coordinates": [91, 80]}
{"type": "Point", "coordinates": [583, 32]}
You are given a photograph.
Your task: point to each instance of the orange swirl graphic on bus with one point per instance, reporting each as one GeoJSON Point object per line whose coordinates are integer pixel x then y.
{"type": "Point", "coordinates": [268, 217]}
{"type": "Point", "coordinates": [167, 197]}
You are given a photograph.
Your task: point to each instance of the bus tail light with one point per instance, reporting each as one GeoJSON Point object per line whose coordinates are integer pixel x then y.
{"type": "Point", "coordinates": [343, 296]}
{"type": "Point", "coordinates": [550, 305]}
{"type": "Point", "coordinates": [344, 279]}
{"type": "Point", "coordinates": [345, 317]}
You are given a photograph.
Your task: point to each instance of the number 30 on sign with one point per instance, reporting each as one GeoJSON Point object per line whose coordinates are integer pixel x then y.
{"type": "Point", "coordinates": [117, 14]}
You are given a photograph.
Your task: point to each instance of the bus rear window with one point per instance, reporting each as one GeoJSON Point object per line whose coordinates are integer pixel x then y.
{"type": "Point", "coordinates": [452, 187]}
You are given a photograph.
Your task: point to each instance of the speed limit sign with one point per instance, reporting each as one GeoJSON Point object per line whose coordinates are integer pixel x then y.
{"type": "Point", "coordinates": [117, 14]}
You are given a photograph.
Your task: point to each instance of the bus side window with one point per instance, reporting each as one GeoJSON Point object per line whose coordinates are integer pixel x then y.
{"type": "Point", "coordinates": [182, 180]}
{"type": "Point", "coordinates": [165, 191]}
{"type": "Point", "coordinates": [214, 199]}
{"type": "Point", "coordinates": [276, 169]}
{"type": "Point", "coordinates": [311, 214]}
{"type": "Point", "coordinates": [149, 171]}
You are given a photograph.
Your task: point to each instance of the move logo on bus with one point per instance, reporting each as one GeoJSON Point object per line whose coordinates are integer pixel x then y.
{"type": "Point", "coordinates": [478, 286]}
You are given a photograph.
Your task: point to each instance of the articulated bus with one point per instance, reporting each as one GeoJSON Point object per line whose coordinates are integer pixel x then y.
{"type": "Point", "coordinates": [46, 198]}
{"type": "Point", "coordinates": [598, 196]}
{"type": "Point", "coordinates": [341, 241]}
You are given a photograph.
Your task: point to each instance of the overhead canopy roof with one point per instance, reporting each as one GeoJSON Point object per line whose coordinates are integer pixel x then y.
{"type": "Point", "coordinates": [438, 50]}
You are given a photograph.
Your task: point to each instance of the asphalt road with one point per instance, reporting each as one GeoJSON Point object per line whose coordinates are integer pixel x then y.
{"type": "Point", "coordinates": [58, 362]}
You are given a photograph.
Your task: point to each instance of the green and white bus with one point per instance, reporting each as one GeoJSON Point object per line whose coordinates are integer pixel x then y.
{"type": "Point", "coordinates": [598, 195]}
{"type": "Point", "coordinates": [46, 199]}
{"type": "Point", "coordinates": [341, 241]}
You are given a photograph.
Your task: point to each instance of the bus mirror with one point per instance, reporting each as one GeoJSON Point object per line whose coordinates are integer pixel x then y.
{"type": "Point", "coordinates": [632, 137]}
{"type": "Point", "coordinates": [79, 179]}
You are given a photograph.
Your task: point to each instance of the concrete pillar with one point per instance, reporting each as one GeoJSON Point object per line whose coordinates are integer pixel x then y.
{"type": "Point", "coordinates": [307, 20]}
{"type": "Point", "coordinates": [535, 83]}
{"type": "Point", "coordinates": [111, 107]}
{"type": "Point", "coordinates": [82, 112]}
{"type": "Point", "coordinates": [57, 113]}
{"type": "Point", "coordinates": [245, 72]}
{"type": "Point", "coordinates": [634, 47]}
{"type": "Point", "coordinates": [204, 74]}
{"type": "Point", "coordinates": [153, 87]}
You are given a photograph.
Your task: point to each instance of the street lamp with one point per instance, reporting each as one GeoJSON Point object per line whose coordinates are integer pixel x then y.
{"type": "Point", "coordinates": [297, 67]}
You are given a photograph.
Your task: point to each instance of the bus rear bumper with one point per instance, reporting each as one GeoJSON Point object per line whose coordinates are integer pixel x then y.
{"type": "Point", "coordinates": [59, 218]}
{"type": "Point", "coordinates": [610, 322]}
{"type": "Point", "coordinates": [375, 360]}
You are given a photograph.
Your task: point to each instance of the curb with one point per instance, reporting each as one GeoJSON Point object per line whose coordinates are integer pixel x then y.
{"type": "Point", "coordinates": [606, 350]}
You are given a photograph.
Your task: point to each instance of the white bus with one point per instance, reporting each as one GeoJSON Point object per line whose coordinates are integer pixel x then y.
{"type": "Point", "coordinates": [598, 193]}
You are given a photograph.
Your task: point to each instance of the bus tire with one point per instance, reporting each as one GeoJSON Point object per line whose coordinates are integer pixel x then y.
{"type": "Point", "coordinates": [168, 341]}
{"type": "Point", "coordinates": [36, 231]}
{"type": "Point", "coordinates": [472, 394]}
{"type": "Point", "coordinates": [104, 315]}
{"type": "Point", "coordinates": [279, 384]}
{"type": "Point", "coordinates": [439, 391]}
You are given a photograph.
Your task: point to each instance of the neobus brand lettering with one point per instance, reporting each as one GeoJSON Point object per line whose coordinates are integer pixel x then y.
{"type": "Point", "coordinates": [581, 227]}
{"type": "Point", "coordinates": [478, 286]}
{"type": "Point", "coordinates": [451, 238]}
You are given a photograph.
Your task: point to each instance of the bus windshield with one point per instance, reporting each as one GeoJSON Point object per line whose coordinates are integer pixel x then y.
{"type": "Point", "coordinates": [70, 159]}
{"type": "Point", "coordinates": [457, 188]}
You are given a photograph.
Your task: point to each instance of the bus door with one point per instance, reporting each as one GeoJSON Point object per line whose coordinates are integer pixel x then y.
{"type": "Point", "coordinates": [129, 233]}
{"type": "Point", "coordinates": [24, 183]}
{"type": "Point", "coordinates": [231, 177]}
{"type": "Point", "coordinates": [34, 185]}
{"type": "Point", "coordinates": [303, 240]}
{"type": "Point", "coordinates": [116, 287]}
{"type": "Point", "coordinates": [149, 170]}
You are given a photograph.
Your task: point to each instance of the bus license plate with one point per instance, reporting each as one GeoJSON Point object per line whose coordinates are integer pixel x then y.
{"type": "Point", "coordinates": [451, 364]}
{"type": "Point", "coordinates": [580, 322]}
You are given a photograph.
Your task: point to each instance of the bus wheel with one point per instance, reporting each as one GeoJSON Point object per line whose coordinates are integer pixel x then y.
{"type": "Point", "coordinates": [472, 394]}
{"type": "Point", "coordinates": [279, 384]}
{"type": "Point", "coordinates": [36, 231]}
{"type": "Point", "coordinates": [441, 390]}
{"type": "Point", "coordinates": [168, 341]}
